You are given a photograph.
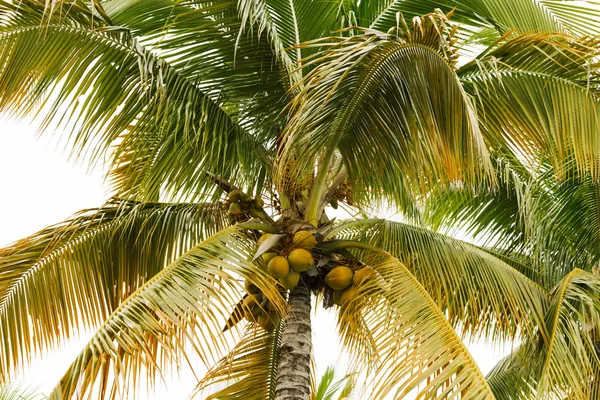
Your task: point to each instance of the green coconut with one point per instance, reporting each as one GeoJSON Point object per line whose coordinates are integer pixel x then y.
{"type": "Point", "coordinates": [278, 267]}
{"type": "Point", "coordinates": [301, 260]}
{"type": "Point", "coordinates": [339, 278]}
{"type": "Point", "coordinates": [235, 208]}
{"type": "Point", "coordinates": [235, 195]}
{"type": "Point", "coordinates": [291, 280]}
{"type": "Point", "coordinates": [258, 202]}
{"type": "Point", "coordinates": [304, 240]}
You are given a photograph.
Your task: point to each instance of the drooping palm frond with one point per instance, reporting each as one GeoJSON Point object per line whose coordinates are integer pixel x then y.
{"type": "Point", "coordinates": [537, 95]}
{"type": "Point", "coordinates": [566, 364]}
{"type": "Point", "coordinates": [182, 307]}
{"type": "Point", "coordinates": [164, 143]}
{"type": "Point", "coordinates": [479, 293]}
{"type": "Point", "coordinates": [73, 275]}
{"type": "Point", "coordinates": [402, 339]}
{"type": "Point", "coordinates": [393, 106]}
{"type": "Point", "coordinates": [249, 371]}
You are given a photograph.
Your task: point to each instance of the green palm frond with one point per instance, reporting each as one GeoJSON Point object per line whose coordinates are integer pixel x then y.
{"type": "Point", "coordinates": [570, 365]}
{"type": "Point", "coordinates": [511, 378]}
{"type": "Point", "coordinates": [248, 371]}
{"type": "Point", "coordinates": [479, 293]}
{"type": "Point", "coordinates": [393, 106]}
{"type": "Point", "coordinates": [164, 144]}
{"type": "Point", "coordinates": [74, 274]}
{"type": "Point", "coordinates": [565, 364]}
{"type": "Point", "coordinates": [521, 88]}
{"type": "Point", "coordinates": [330, 389]}
{"type": "Point", "coordinates": [19, 392]}
{"type": "Point", "coordinates": [185, 304]}
{"type": "Point", "coordinates": [574, 17]}
{"type": "Point", "coordinates": [287, 24]}
{"type": "Point", "coordinates": [404, 341]}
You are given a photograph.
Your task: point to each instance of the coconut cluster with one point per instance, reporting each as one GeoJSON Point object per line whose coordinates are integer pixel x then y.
{"type": "Point", "coordinates": [241, 205]}
{"type": "Point", "coordinates": [258, 309]}
{"type": "Point", "coordinates": [345, 282]}
{"type": "Point", "coordinates": [286, 265]}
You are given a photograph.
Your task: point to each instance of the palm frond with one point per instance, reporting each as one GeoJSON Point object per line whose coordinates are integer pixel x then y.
{"type": "Point", "coordinates": [511, 378]}
{"type": "Point", "coordinates": [393, 106]}
{"type": "Point", "coordinates": [521, 15]}
{"type": "Point", "coordinates": [479, 293]}
{"type": "Point", "coordinates": [329, 389]}
{"type": "Point", "coordinates": [164, 143]}
{"type": "Point", "coordinates": [72, 275]}
{"type": "Point", "coordinates": [403, 339]}
{"type": "Point", "coordinates": [249, 371]}
{"type": "Point", "coordinates": [521, 89]}
{"type": "Point", "coordinates": [181, 309]}
{"type": "Point", "coordinates": [570, 365]}
{"type": "Point", "coordinates": [287, 24]}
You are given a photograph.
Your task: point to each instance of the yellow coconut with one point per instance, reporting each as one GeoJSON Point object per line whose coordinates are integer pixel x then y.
{"type": "Point", "coordinates": [278, 267]}
{"type": "Point", "coordinates": [348, 296]}
{"type": "Point", "coordinates": [304, 240]}
{"type": "Point", "coordinates": [363, 275]}
{"type": "Point", "coordinates": [301, 260]}
{"type": "Point", "coordinates": [263, 238]}
{"type": "Point", "coordinates": [337, 297]}
{"type": "Point", "coordinates": [339, 278]}
{"type": "Point", "coordinates": [252, 308]}
{"type": "Point", "coordinates": [269, 321]}
{"type": "Point", "coordinates": [268, 257]}
{"type": "Point", "coordinates": [251, 288]}
{"type": "Point", "coordinates": [291, 280]}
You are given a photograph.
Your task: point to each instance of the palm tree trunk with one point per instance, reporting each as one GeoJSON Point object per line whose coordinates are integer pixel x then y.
{"type": "Point", "coordinates": [293, 373]}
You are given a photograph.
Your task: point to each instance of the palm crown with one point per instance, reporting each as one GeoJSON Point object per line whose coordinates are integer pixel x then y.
{"type": "Point", "coordinates": [232, 128]}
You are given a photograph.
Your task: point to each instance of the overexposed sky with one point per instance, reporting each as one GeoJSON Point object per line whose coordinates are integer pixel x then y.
{"type": "Point", "coordinates": [40, 187]}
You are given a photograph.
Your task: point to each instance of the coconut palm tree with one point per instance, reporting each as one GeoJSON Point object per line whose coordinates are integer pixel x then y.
{"type": "Point", "coordinates": [233, 130]}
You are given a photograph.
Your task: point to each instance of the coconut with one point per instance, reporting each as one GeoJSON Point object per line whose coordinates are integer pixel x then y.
{"type": "Point", "coordinates": [268, 257]}
{"type": "Point", "coordinates": [278, 267]}
{"type": "Point", "coordinates": [363, 275]}
{"type": "Point", "coordinates": [235, 195]}
{"type": "Point", "coordinates": [291, 280]}
{"type": "Point", "coordinates": [235, 208]}
{"type": "Point", "coordinates": [348, 296]}
{"type": "Point", "coordinates": [251, 287]}
{"type": "Point", "coordinates": [300, 260]}
{"type": "Point", "coordinates": [258, 202]}
{"type": "Point", "coordinates": [263, 238]}
{"type": "Point", "coordinates": [269, 321]}
{"type": "Point", "coordinates": [337, 297]}
{"type": "Point", "coordinates": [304, 240]}
{"type": "Point", "coordinates": [252, 309]}
{"type": "Point", "coordinates": [339, 278]}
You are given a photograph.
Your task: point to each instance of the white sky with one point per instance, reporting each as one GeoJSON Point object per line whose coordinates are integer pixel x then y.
{"type": "Point", "coordinates": [38, 187]}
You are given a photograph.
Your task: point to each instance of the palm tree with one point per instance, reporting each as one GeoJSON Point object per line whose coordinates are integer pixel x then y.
{"type": "Point", "coordinates": [232, 129]}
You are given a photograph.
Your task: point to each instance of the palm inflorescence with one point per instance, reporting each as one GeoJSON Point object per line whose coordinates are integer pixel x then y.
{"type": "Point", "coordinates": [233, 130]}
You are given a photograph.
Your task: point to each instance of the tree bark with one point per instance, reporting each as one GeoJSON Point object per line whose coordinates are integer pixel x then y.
{"type": "Point", "coordinates": [293, 372]}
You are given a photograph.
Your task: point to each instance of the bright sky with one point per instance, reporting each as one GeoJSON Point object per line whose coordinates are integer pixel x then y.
{"type": "Point", "coordinates": [39, 188]}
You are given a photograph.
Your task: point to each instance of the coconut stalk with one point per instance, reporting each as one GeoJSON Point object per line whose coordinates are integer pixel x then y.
{"type": "Point", "coordinates": [293, 372]}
